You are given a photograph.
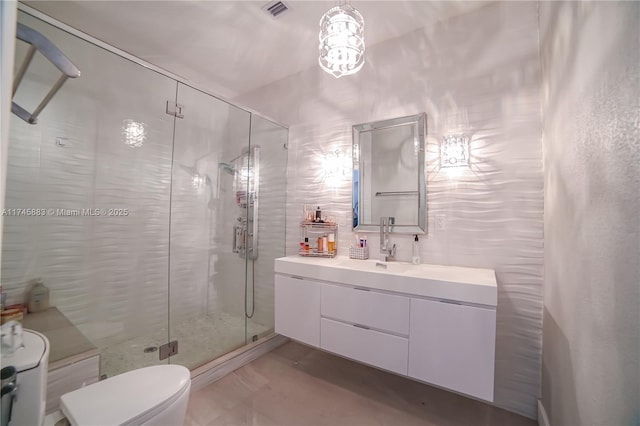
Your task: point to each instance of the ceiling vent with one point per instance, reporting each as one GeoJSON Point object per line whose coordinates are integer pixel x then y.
{"type": "Point", "coordinates": [275, 8]}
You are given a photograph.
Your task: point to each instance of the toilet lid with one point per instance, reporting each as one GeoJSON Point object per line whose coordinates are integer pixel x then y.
{"type": "Point", "coordinates": [125, 398]}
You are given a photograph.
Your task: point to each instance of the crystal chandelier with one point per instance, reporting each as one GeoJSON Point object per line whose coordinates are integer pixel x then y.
{"type": "Point", "coordinates": [341, 41]}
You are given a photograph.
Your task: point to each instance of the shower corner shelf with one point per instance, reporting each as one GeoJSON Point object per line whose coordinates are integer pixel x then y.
{"type": "Point", "coordinates": [313, 231]}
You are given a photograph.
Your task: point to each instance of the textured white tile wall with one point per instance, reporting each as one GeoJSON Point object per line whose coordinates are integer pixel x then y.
{"type": "Point", "coordinates": [8, 15]}
{"type": "Point", "coordinates": [590, 55]}
{"type": "Point", "coordinates": [479, 74]}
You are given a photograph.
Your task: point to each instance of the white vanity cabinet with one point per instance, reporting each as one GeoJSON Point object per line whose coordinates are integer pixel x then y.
{"type": "Point", "coordinates": [453, 346]}
{"type": "Point", "coordinates": [297, 309]}
{"type": "Point", "coordinates": [432, 323]}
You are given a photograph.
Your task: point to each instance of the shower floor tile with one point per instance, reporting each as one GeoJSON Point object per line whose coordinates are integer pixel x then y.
{"type": "Point", "coordinates": [199, 340]}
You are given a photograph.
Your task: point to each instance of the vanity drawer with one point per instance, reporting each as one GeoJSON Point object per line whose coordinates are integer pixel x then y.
{"type": "Point", "coordinates": [369, 346]}
{"type": "Point", "coordinates": [373, 309]}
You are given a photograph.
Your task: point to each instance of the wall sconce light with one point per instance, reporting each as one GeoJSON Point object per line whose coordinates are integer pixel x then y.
{"type": "Point", "coordinates": [335, 166]}
{"type": "Point", "coordinates": [454, 151]}
{"type": "Point", "coordinates": [134, 133]}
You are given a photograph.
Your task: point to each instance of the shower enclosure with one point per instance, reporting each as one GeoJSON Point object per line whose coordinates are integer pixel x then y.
{"type": "Point", "coordinates": [162, 209]}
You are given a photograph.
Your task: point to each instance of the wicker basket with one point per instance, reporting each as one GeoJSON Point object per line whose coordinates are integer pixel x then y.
{"type": "Point", "coordinates": [361, 253]}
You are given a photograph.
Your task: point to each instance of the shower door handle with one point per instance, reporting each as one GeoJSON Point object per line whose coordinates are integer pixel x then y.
{"type": "Point", "coordinates": [235, 237]}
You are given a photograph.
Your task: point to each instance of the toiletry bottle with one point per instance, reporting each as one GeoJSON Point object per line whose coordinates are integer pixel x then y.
{"type": "Point", "coordinates": [319, 245]}
{"type": "Point", "coordinates": [415, 251]}
{"type": "Point", "coordinates": [325, 244]}
{"type": "Point", "coordinates": [331, 241]}
{"type": "Point", "coordinates": [318, 214]}
{"type": "Point", "coordinates": [306, 244]}
{"type": "Point", "coordinates": [38, 297]}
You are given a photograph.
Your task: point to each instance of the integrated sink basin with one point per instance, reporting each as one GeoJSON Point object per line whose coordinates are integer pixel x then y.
{"type": "Point", "coordinates": [452, 283]}
{"type": "Point", "coordinates": [375, 265]}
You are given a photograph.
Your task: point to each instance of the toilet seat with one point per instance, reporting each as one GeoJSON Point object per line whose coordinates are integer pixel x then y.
{"type": "Point", "coordinates": [127, 399]}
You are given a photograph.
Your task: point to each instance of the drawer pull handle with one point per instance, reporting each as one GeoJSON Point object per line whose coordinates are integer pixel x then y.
{"type": "Point", "coordinates": [295, 277]}
{"type": "Point", "coordinates": [450, 302]}
{"type": "Point", "coordinates": [362, 289]}
{"type": "Point", "coordinates": [361, 326]}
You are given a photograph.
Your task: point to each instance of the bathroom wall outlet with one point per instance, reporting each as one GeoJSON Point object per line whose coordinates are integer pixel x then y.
{"type": "Point", "coordinates": [441, 222]}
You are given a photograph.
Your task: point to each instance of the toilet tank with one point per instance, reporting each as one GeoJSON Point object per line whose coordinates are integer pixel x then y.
{"type": "Point", "coordinates": [31, 362]}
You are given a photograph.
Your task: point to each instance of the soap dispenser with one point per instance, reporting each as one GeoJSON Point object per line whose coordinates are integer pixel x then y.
{"type": "Point", "coordinates": [415, 251]}
{"type": "Point", "coordinates": [38, 297]}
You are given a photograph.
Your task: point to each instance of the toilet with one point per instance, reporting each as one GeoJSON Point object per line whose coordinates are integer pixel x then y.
{"type": "Point", "coordinates": [153, 396]}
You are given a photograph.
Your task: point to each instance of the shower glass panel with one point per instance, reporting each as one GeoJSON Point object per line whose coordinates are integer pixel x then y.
{"type": "Point", "coordinates": [270, 141]}
{"type": "Point", "coordinates": [207, 279]}
{"type": "Point", "coordinates": [98, 163]}
{"type": "Point", "coordinates": [153, 227]}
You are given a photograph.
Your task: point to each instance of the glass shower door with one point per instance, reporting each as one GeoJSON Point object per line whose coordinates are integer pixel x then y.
{"type": "Point", "coordinates": [268, 173]}
{"type": "Point", "coordinates": [98, 162]}
{"type": "Point", "coordinates": [206, 276]}
{"type": "Point", "coordinates": [194, 210]}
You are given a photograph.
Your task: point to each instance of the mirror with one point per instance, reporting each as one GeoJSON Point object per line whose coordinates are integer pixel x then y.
{"type": "Point", "coordinates": [389, 176]}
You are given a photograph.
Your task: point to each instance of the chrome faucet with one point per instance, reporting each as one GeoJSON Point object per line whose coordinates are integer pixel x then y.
{"type": "Point", "coordinates": [386, 252]}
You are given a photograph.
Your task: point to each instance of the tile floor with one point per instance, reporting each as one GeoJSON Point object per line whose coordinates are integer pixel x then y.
{"type": "Point", "coordinates": [295, 385]}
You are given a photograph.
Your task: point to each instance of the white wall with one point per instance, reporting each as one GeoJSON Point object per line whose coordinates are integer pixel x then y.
{"type": "Point", "coordinates": [478, 73]}
{"type": "Point", "coordinates": [591, 92]}
{"type": "Point", "coordinates": [8, 13]}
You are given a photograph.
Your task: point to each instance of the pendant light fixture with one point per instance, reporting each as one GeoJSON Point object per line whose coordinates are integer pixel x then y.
{"type": "Point", "coordinates": [341, 41]}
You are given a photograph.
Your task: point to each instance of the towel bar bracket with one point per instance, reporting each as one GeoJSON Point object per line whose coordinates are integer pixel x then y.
{"type": "Point", "coordinates": [38, 42]}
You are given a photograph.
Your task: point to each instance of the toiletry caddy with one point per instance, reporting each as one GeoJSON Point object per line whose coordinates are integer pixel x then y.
{"type": "Point", "coordinates": [318, 239]}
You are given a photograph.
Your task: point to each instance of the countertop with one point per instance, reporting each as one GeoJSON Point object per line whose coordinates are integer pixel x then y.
{"type": "Point", "coordinates": [454, 283]}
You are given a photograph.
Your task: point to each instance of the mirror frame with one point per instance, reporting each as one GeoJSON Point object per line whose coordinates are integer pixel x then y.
{"type": "Point", "coordinates": [419, 123]}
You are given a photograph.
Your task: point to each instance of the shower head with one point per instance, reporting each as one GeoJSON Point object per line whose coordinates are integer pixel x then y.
{"type": "Point", "coordinates": [191, 170]}
{"type": "Point", "coordinates": [227, 168]}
